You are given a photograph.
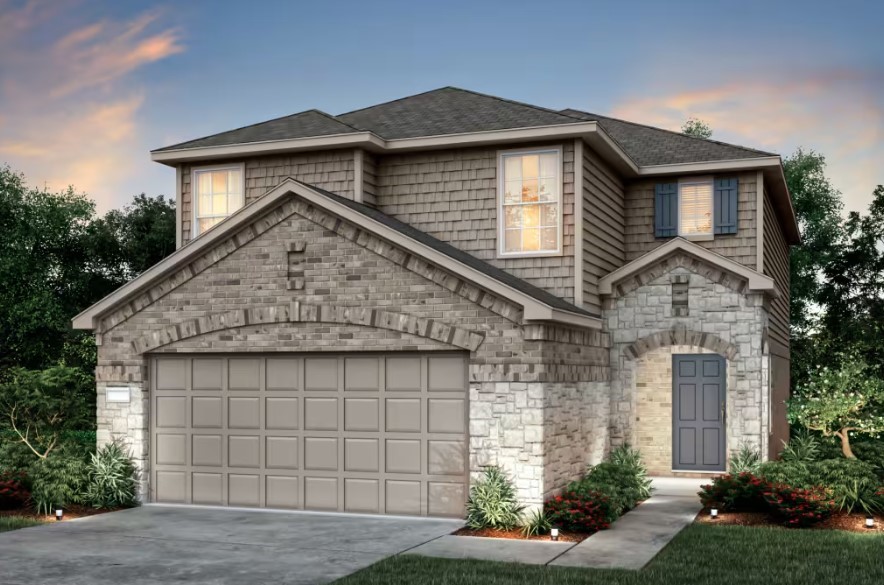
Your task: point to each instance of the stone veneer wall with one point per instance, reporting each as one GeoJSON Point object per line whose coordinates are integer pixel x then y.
{"type": "Point", "coordinates": [722, 318]}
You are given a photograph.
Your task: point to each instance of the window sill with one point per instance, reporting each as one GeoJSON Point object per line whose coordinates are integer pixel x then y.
{"type": "Point", "coordinates": [699, 238]}
{"type": "Point", "coordinates": [534, 255]}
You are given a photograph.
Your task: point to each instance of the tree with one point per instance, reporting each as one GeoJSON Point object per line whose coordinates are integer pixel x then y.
{"type": "Point", "coordinates": [38, 405]}
{"type": "Point", "coordinates": [143, 232]}
{"type": "Point", "coordinates": [840, 400]}
{"type": "Point", "coordinates": [696, 128]}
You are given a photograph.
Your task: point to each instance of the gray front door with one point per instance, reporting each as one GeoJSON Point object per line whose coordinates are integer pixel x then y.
{"type": "Point", "coordinates": [698, 412]}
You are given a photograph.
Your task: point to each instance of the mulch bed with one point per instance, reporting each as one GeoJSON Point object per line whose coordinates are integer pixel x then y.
{"type": "Point", "coordinates": [838, 521]}
{"type": "Point", "coordinates": [70, 513]}
{"type": "Point", "coordinates": [516, 534]}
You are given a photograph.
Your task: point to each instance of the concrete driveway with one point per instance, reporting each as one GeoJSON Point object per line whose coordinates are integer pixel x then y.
{"type": "Point", "coordinates": [166, 544]}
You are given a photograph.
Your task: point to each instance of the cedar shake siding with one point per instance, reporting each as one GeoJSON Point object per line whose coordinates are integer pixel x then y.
{"type": "Point", "coordinates": [639, 211]}
{"type": "Point", "coordinates": [452, 195]}
{"type": "Point", "coordinates": [331, 170]}
{"type": "Point", "coordinates": [776, 265]}
{"type": "Point", "coordinates": [603, 225]}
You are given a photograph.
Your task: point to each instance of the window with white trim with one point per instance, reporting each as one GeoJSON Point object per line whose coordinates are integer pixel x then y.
{"type": "Point", "coordinates": [219, 191]}
{"type": "Point", "coordinates": [530, 203]}
{"type": "Point", "coordinates": [695, 207]}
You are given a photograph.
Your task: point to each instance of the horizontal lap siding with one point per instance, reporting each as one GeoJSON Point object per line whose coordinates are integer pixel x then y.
{"type": "Point", "coordinates": [369, 179]}
{"type": "Point", "coordinates": [331, 170]}
{"type": "Point", "coordinates": [603, 225]}
{"type": "Point", "coordinates": [776, 265]}
{"type": "Point", "coordinates": [639, 212]}
{"type": "Point", "coordinates": [452, 195]}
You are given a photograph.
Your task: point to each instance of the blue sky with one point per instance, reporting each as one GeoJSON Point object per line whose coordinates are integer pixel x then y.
{"type": "Point", "coordinates": [89, 87]}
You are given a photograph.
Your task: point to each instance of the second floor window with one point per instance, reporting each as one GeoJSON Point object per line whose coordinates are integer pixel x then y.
{"type": "Point", "coordinates": [219, 192]}
{"type": "Point", "coordinates": [695, 208]}
{"type": "Point", "coordinates": [530, 210]}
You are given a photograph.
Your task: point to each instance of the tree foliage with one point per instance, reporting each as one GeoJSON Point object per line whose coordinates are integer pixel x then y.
{"type": "Point", "coordinates": [837, 401]}
{"type": "Point", "coordinates": [696, 128]}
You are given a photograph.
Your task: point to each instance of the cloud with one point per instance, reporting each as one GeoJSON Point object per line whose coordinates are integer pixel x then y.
{"type": "Point", "coordinates": [71, 107]}
{"type": "Point", "coordinates": [839, 113]}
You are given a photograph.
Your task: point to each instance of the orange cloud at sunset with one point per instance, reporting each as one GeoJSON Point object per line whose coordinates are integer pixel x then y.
{"type": "Point", "coordinates": [70, 107]}
{"type": "Point", "coordinates": [838, 113]}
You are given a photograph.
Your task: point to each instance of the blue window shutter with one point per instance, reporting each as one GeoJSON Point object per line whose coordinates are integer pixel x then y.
{"type": "Point", "coordinates": [725, 203]}
{"type": "Point", "coordinates": [666, 210]}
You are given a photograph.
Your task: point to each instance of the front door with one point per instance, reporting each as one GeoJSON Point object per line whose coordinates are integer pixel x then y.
{"type": "Point", "coordinates": [698, 412]}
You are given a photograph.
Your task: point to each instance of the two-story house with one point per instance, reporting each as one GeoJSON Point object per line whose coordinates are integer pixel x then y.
{"type": "Point", "coordinates": [366, 309]}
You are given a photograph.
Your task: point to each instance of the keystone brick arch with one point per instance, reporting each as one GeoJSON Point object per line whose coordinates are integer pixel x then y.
{"type": "Point", "coordinates": [708, 341]}
{"type": "Point", "coordinates": [311, 313]}
{"type": "Point", "coordinates": [679, 260]}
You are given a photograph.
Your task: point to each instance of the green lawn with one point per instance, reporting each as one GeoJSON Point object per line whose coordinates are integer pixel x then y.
{"type": "Point", "coordinates": [16, 522]}
{"type": "Point", "coordinates": [720, 555]}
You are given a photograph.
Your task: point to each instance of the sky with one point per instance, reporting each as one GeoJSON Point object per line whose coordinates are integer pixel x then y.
{"type": "Point", "coordinates": [89, 87]}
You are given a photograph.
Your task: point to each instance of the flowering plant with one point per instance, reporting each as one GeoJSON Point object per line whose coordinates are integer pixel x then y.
{"type": "Point", "coordinates": [586, 511]}
{"type": "Point", "coordinates": [742, 492]}
{"type": "Point", "coordinates": [799, 507]}
{"type": "Point", "coordinates": [13, 493]}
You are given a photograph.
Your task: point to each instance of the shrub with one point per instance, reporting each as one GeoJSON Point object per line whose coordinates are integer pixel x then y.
{"type": "Point", "coordinates": [742, 492]}
{"type": "Point", "coordinates": [111, 479]}
{"type": "Point", "coordinates": [537, 523]}
{"type": "Point", "coordinates": [746, 460]}
{"type": "Point", "coordinates": [57, 480]}
{"type": "Point", "coordinates": [839, 476]}
{"type": "Point", "coordinates": [492, 502]}
{"type": "Point", "coordinates": [861, 496]}
{"type": "Point", "coordinates": [623, 479]}
{"type": "Point", "coordinates": [13, 491]}
{"type": "Point", "coordinates": [804, 447]}
{"type": "Point", "coordinates": [798, 507]}
{"type": "Point", "coordinates": [586, 512]}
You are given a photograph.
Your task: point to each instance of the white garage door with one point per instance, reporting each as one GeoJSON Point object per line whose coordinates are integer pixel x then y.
{"type": "Point", "coordinates": [375, 433]}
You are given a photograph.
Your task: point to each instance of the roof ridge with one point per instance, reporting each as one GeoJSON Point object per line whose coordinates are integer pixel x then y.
{"type": "Point", "coordinates": [631, 123]}
{"type": "Point", "coordinates": [394, 101]}
{"type": "Point", "coordinates": [320, 112]}
{"type": "Point", "coordinates": [516, 102]}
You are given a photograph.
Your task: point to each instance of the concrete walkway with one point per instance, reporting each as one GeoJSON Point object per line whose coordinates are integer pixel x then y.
{"type": "Point", "coordinates": [630, 543]}
{"type": "Point", "coordinates": [637, 537]}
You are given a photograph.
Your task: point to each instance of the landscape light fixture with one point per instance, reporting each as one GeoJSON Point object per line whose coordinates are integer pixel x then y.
{"type": "Point", "coordinates": [714, 513]}
{"type": "Point", "coordinates": [870, 522]}
{"type": "Point", "coordinates": [554, 534]}
{"type": "Point", "coordinates": [58, 514]}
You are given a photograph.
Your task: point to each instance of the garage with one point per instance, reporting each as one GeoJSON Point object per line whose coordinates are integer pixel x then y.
{"type": "Point", "coordinates": [362, 433]}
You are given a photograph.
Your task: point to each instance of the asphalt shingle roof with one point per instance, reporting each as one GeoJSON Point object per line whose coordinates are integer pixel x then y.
{"type": "Point", "coordinates": [502, 276]}
{"type": "Point", "coordinates": [450, 110]}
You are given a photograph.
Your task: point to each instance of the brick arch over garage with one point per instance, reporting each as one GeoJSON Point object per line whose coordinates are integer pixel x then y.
{"type": "Point", "coordinates": [311, 313]}
{"type": "Point", "coordinates": [669, 337]}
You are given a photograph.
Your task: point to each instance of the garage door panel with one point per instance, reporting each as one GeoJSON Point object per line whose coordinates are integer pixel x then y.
{"type": "Point", "coordinates": [206, 412]}
{"type": "Point", "coordinates": [207, 374]}
{"type": "Point", "coordinates": [206, 450]}
{"type": "Point", "coordinates": [321, 493]}
{"type": "Point", "coordinates": [171, 412]}
{"type": "Point", "coordinates": [243, 489]}
{"type": "Point", "coordinates": [367, 433]}
{"type": "Point", "coordinates": [321, 453]}
{"type": "Point", "coordinates": [207, 488]}
{"type": "Point", "coordinates": [243, 413]}
{"type": "Point", "coordinates": [243, 451]}
{"type": "Point", "coordinates": [282, 491]}
{"type": "Point", "coordinates": [282, 453]}
{"type": "Point", "coordinates": [244, 374]}
{"type": "Point", "coordinates": [361, 414]}
{"type": "Point", "coordinates": [361, 374]}
{"type": "Point", "coordinates": [283, 374]}
{"type": "Point", "coordinates": [282, 413]}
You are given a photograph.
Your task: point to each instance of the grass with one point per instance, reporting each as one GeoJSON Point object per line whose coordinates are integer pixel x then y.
{"type": "Point", "coordinates": [8, 523]}
{"type": "Point", "coordinates": [723, 555]}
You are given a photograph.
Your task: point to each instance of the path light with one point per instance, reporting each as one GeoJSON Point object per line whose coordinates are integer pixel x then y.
{"type": "Point", "coordinates": [554, 534]}
{"type": "Point", "coordinates": [58, 514]}
{"type": "Point", "coordinates": [714, 513]}
{"type": "Point", "coordinates": [870, 522]}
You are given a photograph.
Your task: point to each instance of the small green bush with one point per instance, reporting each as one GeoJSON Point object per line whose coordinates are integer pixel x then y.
{"type": "Point", "coordinates": [742, 492]}
{"type": "Point", "coordinates": [804, 447]}
{"type": "Point", "coordinates": [746, 460]}
{"type": "Point", "coordinates": [536, 524]}
{"type": "Point", "coordinates": [111, 479]}
{"type": "Point", "coordinates": [56, 481]}
{"type": "Point", "coordinates": [798, 507]}
{"type": "Point", "coordinates": [623, 479]}
{"type": "Point", "coordinates": [842, 477]}
{"type": "Point", "coordinates": [493, 503]}
{"type": "Point", "coordinates": [586, 511]}
{"type": "Point", "coordinates": [864, 497]}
